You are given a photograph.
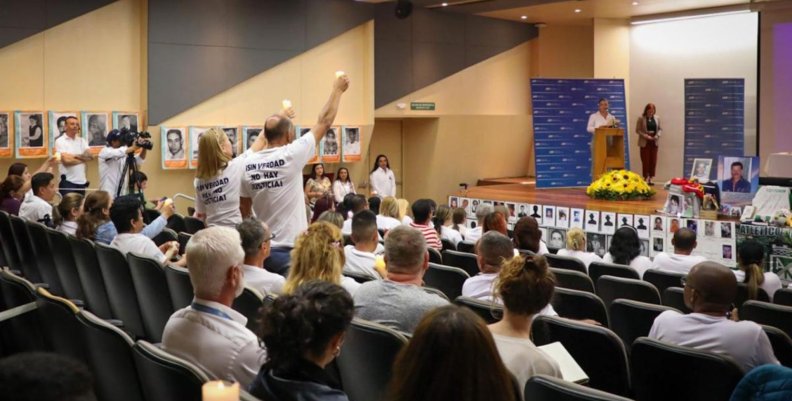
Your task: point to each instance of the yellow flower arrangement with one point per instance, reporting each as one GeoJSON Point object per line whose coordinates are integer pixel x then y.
{"type": "Point", "coordinates": [621, 185]}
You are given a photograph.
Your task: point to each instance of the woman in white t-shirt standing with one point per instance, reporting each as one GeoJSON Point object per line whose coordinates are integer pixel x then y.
{"type": "Point", "coordinates": [381, 179]}
{"type": "Point", "coordinates": [576, 248]}
{"type": "Point", "coordinates": [625, 249]}
{"type": "Point", "coordinates": [342, 185]}
{"type": "Point", "coordinates": [217, 180]}
{"type": "Point", "coordinates": [750, 259]}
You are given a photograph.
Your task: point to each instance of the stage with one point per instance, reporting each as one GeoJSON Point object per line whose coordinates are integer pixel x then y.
{"type": "Point", "coordinates": [523, 190]}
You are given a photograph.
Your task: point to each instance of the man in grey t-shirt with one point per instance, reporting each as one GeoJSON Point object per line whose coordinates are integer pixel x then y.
{"type": "Point", "coordinates": [399, 301]}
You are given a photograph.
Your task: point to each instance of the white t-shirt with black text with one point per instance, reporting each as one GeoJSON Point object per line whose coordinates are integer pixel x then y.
{"type": "Point", "coordinates": [218, 197]}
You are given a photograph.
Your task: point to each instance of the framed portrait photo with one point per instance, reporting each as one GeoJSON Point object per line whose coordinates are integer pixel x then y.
{"type": "Point", "coordinates": [249, 135]}
{"type": "Point", "coordinates": [174, 148]}
{"type": "Point", "coordinates": [701, 170]}
{"type": "Point", "coordinates": [129, 120]}
{"type": "Point", "coordinates": [30, 134]}
{"type": "Point", "coordinates": [6, 134]}
{"type": "Point", "coordinates": [562, 217]}
{"type": "Point", "coordinates": [195, 134]}
{"type": "Point", "coordinates": [608, 223]}
{"type": "Point", "coordinates": [233, 136]}
{"type": "Point", "coordinates": [352, 144]}
{"type": "Point", "coordinates": [330, 146]}
{"type": "Point", "coordinates": [592, 221]}
{"type": "Point", "coordinates": [57, 124]}
{"type": "Point", "coordinates": [577, 218]}
{"type": "Point", "coordinates": [300, 131]}
{"type": "Point", "coordinates": [95, 127]}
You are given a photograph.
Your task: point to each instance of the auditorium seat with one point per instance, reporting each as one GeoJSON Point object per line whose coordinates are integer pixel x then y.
{"type": "Point", "coordinates": [579, 305]}
{"type": "Point", "coordinates": [573, 280]}
{"type": "Point", "coordinates": [781, 343]}
{"type": "Point", "coordinates": [166, 377]}
{"type": "Point", "coordinates": [778, 316]}
{"type": "Point", "coordinates": [62, 332]}
{"type": "Point", "coordinates": [153, 295]}
{"type": "Point", "coordinates": [176, 223]}
{"type": "Point", "coordinates": [675, 298]}
{"type": "Point", "coordinates": [179, 286]}
{"type": "Point", "coordinates": [742, 295]}
{"type": "Point", "coordinates": [783, 297]}
{"type": "Point", "coordinates": [348, 240]}
{"type": "Point", "coordinates": [435, 291]}
{"type": "Point", "coordinates": [91, 280]}
{"type": "Point", "coordinates": [663, 371]}
{"type": "Point", "coordinates": [192, 225]}
{"type": "Point", "coordinates": [22, 333]}
{"type": "Point", "coordinates": [566, 262]}
{"type": "Point", "coordinates": [65, 264]}
{"type": "Point", "coordinates": [548, 388]}
{"type": "Point", "coordinates": [120, 289]}
{"type": "Point", "coordinates": [597, 269]}
{"type": "Point", "coordinates": [166, 235]}
{"type": "Point", "coordinates": [359, 277]}
{"type": "Point", "coordinates": [184, 238]}
{"type": "Point", "coordinates": [150, 215]}
{"type": "Point", "coordinates": [610, 288]}
{"type": "Point", "coordinates": [42, 257]}
{"type": "Point", "coordinates": [447, 244]}
{"type": "Point", "coordinates": [632, 319]}
{"type": "Point", "coordinates": [662, 279]}
{"type": "Point", "coordinates": [369, 350]}
{"type": "Point", "coordinates": [27, 259]}
{"type": "Point", "coordinates": [447, 279]}
{"type": "Point", "coordinates": [248, 304]}
{"type": "Point", "coordinates": [435, 256]}
{"type": "Point", "coordinates": [10, 254]}
{"type": "Point", "coordinates": [466, 246]}
{"type": "Point", "coordinates": [490, 311]}
{"type": "Point", "coordinates": [463, 260]}
{"type": "Point", "coordinates": [598, 351]}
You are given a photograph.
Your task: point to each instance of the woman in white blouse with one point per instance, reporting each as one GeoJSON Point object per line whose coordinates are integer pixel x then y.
{"type": "Point", "coordinates": [389, 214]}
{"type": "Point", "coordinates": [750, 259]}
{"type": "Point", "coordinates": [576, 248]}
{"type": "Point", "coordinates": [342, 185]}
{"type": "Point", "coordinates": [442, 222]}
{"type": "Point", "coordinates": [625, 249]}
{"type": "Point", "coordinates": [69, 210]}
{"type": "Point", "coordinates": [381, 179]}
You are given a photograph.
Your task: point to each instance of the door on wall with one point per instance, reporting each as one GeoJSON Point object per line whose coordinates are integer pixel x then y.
{"type": "Point", "coordinates": [388, 139]}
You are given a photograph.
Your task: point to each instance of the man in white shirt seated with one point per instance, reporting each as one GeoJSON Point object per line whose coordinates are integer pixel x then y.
{"type": "Point", "coordinates": [681, 261]}
{"type": "Point", "coordinates": [528, 236]}
{"type": "Point", "coordinates": [127, 218]}
{"type": "Point", "coordinates": [493, 249]}
{"type": "Point", "coordinates": [356, 204]}
{"type": "Point", "coordinates": [398, 301]}
{"type": "Point", "coordinates": [256, 237]}
{"type": "Point", "coordinates": [36, 206]}
{"type": "Point", "coordinates": [208, 332]}
{"type": "Point", "coordinates": [361, 257]}
{"type": "Point", "coordinates": [481, 213]}
{"type": "Point", "coordinates": [710, 289]}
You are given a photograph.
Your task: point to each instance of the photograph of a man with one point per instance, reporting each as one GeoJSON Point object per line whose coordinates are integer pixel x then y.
{"type": "Point", "coordinates": [175, 138]}
{"type": "Point", "coordinates": [736, 182]}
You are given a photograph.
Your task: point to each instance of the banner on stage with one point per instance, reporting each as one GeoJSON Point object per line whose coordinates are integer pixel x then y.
{"type": "Point", "coordinates": [561, 109]}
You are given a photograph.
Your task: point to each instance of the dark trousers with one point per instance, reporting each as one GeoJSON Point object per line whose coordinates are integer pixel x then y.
{"type": "Point", "coordinates": [68, 186]}
{"type": "Point", "coordinates": [649, 159]}
{"type": "Point", "coordinates": [278, 261]}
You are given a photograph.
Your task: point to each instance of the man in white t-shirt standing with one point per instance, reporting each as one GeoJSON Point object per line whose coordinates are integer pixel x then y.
{"type": "Point", "coordinates": [681, 261]}
{"type": "Point", "coordinates": [710, 289]}
{"type": "Point", "coordinates": [74, 154]}
{"type": "Point", "coordinates": [272, 183]}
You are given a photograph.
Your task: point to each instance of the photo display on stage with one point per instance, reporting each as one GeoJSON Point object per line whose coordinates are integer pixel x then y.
{"type": "Point", "coordinates": [714, 120]}
{"type": "Point", "coordinates": [561, 109]}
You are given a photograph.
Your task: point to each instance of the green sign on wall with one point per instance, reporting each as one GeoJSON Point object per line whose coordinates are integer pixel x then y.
{"type": "Point", "coordinates": [424, 106]}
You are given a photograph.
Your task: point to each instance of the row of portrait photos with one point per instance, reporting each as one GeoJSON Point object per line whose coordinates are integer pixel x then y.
{"type": "Point", "coordinates": [180, 144]}
{"type": "Point", "coordinates": [716, 239]}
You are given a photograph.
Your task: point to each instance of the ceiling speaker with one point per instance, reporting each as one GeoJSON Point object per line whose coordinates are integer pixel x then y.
{"type": "Point", "coordinates": [403, 8]}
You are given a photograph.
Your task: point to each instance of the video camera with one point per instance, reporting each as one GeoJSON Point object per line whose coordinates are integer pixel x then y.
{"type": "Point", "coordinates": [143, 139]}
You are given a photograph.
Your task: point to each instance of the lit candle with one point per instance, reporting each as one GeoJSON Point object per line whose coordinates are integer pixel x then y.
{"type": "Point", "coordinates": [167, 202]}
{"type": "Point", "coordinates": [379, 262]}
{"type": "Point", "coordinates": [220, 390]}
{"type": "Point", "coordinates": [286, 104]}
{"type": "Point", "coordinates": [340, 74]}
{"type": "Point", "coordinates": [57, 156]}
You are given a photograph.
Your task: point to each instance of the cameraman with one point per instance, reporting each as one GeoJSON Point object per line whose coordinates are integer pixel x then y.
{"type": "Point", "coordinates": [112, 159]}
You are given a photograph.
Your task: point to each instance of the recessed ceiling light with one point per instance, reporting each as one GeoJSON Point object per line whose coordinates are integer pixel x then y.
{"type": "Point", "coordinates": [577, 10]}
{"type": "Point", "coordinates": [524, 17]}
{"type": "Point", "coordinates": [445, 4]}
{"type": "Point", "coordinates": [635, 3]}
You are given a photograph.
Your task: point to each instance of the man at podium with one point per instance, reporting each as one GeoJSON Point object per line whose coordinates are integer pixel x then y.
{"type": "Point", "coordinates": [601, 118]}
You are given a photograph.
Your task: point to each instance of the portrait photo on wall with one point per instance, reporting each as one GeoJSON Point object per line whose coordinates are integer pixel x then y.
{"type": "Point", "coordinates": [173, 141]}
{"type": "Point", "coordinates": [299, 132]}
{"type": "Point", "coordinates": [608, 223]}
{"type": "Point", "coordinates": [657, 244]}
{"type": "Point", "coordinates": [577, 219]}
{"type": "Point", "coordinates": [231, 133]}
{"type": "Point", "coordinates": [645, 247]}
{"type": "Point", "coordinates": [673, 225]}
{"type": "Point", "coordinates": [596, 243]}
{"type": "Point", "coordinates": [738, 174]}
{"type": "Point", "coordinates": [352, 144]}
{"type": "Point", "coordinates": [548, 219]}
{"type": "Point", "coordinates": [562, 217]}
{"type": "Point", "coordinates": [641, 224]}
{"type": "Point", "coordinates": [127, 119]}
{"type": "Point", "coordinates": [6, 134]}
{"type": "Point", "coordinates": [95, 129]}
{"type": "Point", "coordinates": [557, 238]}
{"type": "Point", "coordinates": [249, 135]}
{"type": "Point", "coordinates": [701, 169]}
{"type": "Point", "coordinates": [195, 136]}
{"type": "Point", "coordinates": [57, 124]}
{"type": "Point", "coordinates": [535, 211]}
{"type": "Point", "coordinates": [30, 134]}
{"type": "Point", "coordinates": [592, 221]}
{"type": "Point", "coordinates": [453, 202]}
{"type": "Point", "coordinates": [329, 146]}
{"type": "Point", "coordinates": [625, 219]}
{"type": "Point", "coordinates": [658, 225]}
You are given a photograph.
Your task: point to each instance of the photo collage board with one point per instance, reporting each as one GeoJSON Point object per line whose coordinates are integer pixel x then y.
{"type": "Point", "coordinates": [716, 239]}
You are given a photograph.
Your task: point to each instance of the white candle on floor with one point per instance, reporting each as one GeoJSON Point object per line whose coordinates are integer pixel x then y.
{"type": "Point", "coordinates": [220, 390]}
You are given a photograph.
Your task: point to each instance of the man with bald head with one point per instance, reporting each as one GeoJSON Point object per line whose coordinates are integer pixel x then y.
{"type": "Point", "coordinates": [528, 236]}
{"type": "Point", "coordinates": [272, 182]}
{"type": "Point", "coordinates": [681, 261]}
{"type": "Point", "coordinates": [710, 290]}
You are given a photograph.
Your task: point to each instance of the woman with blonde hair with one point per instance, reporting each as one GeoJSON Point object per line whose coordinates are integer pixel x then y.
{"type": "Point", "coordinates": [332, 217]}
{"type": "Point", "coordinates": [389, 215]}
{"type": "Point", "coordinates": [96, 213]}
{"type": "Point", "coordinates": [404, 206]}
{"type": "Point", "coordinates": [576, 247]}
{"type": "Point", "coordinates": [68, 210]}
{"type": "Point", "coordinates": [318, 254]}
{"type": "Point", "coordinates": [218, 179]}
{"type": "Point", "coordinates": [750, 259]}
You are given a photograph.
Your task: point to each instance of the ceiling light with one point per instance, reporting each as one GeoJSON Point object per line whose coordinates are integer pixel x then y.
{"type": "Point", "coordinates": [524, 17]}
{"type": "Point", "coordinates": [635, 3]}
{"type": "Point", "coordinates": [445, 4]}
{"type": "Point", "coordinates": [577, 10]}
{"type": "Point", "coordinates": [685, 17]}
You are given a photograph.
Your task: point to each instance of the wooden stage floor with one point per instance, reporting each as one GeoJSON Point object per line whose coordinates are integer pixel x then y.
{"type": "Point", "coordinates": [523, 190]}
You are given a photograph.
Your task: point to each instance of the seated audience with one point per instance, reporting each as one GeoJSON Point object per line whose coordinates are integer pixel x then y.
{"type": "Point", "coordinates": [322, 205]}
{"type": "Point", "coordinates": [209, 332]}
{"type": "Point", "coordinates": [459, 217]}
{"type": "Point", "coordinates": [442, 224]}
{"type": "Point", "coordinates": [11, 194]}
{"type": "Point", "coordinates": [128, 220]}
{"type": "Point", "coordinates": [527, 236]}
{"type": "Point", "coordinates": [332, 217]}
{"type": "Point", "coordinates": [374, 204]}
{"type": "Point", "coordinates": [256, 237]}
{"type": "Point", "coordinates": [68, 211]}
{"type": "Point", "coordinates": [106, 232]}
{"type": "Point", "coordinates": [625, 249]}
{"type": "Point", "coordinates": [495, 221]}
{"type": "Point", "coordinates": [576, 247]}
{"type": "Point", "coordinates": [21, 170]}
{"type": "Point", "coordinates": [750, 259]}
{"type": "Point", "coordinates": [404, 207]}
{"type": "Point", "coordinates": [389, 214]}
{"type": "Point", "coordinates": [356, 204]}
{"type": "Point", "coordinates": [37, 207]}
{"type": "Point", "coordinates": [361, 257]}
{"type": "Point", "coordinates": [40, 376]}
{"type": "Point", "coordinates": [765, 383]}
{"type": "Point", "coordinates": [422, 212]}
{"type": "Point", "coordinates": [684, 242]}
{"type": "Point", "coordinates": [303, 333]}
{"type": "Point", "coordinates": [481, 213]}
{"type": "Point", "coordinates": [398, 301]}
{"type": "Point", "coordinates": [318, 254]}
{"type": "Point", "coordinates": [710, 290]}
{"type": "Point", "coordinates": [451, 339]}
{"type": "Point", "coordinates": [141, 183]}
{"type": "Point", "coordinates": [342, 185]}
{"type": "Point", "coordinates": [96, 213]}
{"type": "Point", "coordinates": [526, 288]}
{"type": "Point", "coordinates": [317, 185]}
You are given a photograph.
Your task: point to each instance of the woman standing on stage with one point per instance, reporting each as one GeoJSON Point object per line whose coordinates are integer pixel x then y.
{"type": "Point", "coordinates": [648, 130]}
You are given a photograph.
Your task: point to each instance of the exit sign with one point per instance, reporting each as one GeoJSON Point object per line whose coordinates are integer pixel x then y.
{"type": "Point", "coordinates": [423, 106]}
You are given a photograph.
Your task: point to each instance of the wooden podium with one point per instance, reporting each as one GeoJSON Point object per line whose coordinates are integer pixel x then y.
{"type": "Point", "coordinates": [607, 151]}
